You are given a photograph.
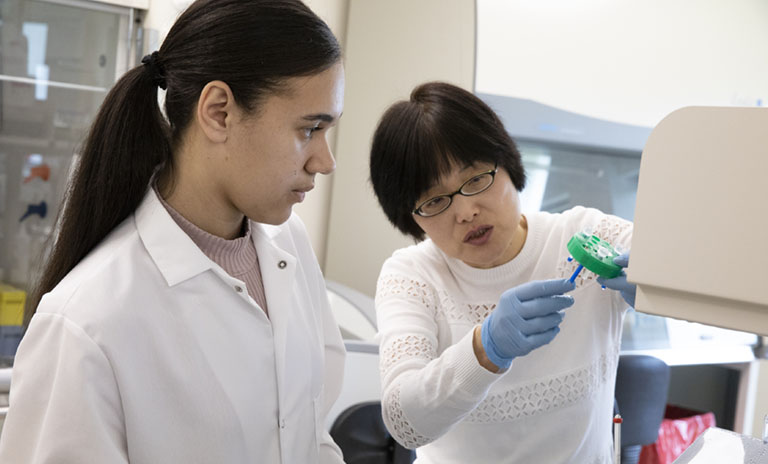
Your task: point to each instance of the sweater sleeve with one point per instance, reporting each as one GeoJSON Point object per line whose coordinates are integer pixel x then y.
{"type": "Point", "coordinates": [616, 231]}
{"type": "Point", "coordinates": [423, 394]}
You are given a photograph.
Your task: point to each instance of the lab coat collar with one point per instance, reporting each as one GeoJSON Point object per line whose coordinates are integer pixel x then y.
{"type": "Point", "coordinates": [267, 230]}
{"type": "Point", "coordinates": [174, 253]}
{"type": "Point", "coordinates": [272, 256]}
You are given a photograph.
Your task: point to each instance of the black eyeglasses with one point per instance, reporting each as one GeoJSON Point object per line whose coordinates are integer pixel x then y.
{"type": "Point", "coordinates": [477, 184]}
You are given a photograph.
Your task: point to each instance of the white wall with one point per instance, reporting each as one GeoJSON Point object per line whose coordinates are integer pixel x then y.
{"type": "Point", "coordinates": [625, 60]}
{"type": "Point", "coordinates": [143, 4]}
{"type": "Point", "coordinates": [161, 15]}
{"type": "Point", "coordinates": [392, 46]}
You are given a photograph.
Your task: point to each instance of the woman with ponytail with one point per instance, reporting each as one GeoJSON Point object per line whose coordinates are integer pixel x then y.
{"type": "Point", "coordinates": [182, 316]}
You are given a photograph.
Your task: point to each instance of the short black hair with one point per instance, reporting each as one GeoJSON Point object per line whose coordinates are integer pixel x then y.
{"type": "Point", "coordinates": [420, 139]}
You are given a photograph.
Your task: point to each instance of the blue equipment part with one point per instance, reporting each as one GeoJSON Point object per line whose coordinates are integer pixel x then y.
{"type": "Point", "coordinates": [40, 209]}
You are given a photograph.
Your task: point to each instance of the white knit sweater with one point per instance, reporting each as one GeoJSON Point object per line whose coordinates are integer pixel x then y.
{"type": "Point", "coordinates": [552, 406]}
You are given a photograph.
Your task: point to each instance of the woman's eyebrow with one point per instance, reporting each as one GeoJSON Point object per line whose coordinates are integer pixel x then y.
{"type": "Point", "coordinates": [319, 117]}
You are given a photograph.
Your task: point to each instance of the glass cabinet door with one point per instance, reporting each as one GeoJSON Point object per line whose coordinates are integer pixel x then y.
{"type": "Point", "coordinates": [58, 59]}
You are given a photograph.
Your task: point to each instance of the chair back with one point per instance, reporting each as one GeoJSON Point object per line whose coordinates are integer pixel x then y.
{"type": "Point", "coordinates": [364, 439]}
{"type": "Point", "coordinates": [642, 384]}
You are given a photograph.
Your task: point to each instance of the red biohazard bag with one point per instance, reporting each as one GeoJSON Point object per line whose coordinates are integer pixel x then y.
{"type": "Point", "coordinates": [679, 428]}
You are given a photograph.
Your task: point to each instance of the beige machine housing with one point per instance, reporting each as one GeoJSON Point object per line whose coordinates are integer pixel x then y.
{"type": "Point", "coordinates": [700, 241]}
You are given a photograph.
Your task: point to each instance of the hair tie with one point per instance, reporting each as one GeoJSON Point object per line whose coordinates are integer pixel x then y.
{"type": "Point", "coordinates": [158, 74]}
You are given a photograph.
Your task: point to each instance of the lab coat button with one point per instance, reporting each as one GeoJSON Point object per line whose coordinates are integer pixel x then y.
{"type": "Point", "coordinates": [282, 264]}
{"type": "Point", "coordinates": [238, 289]}
{"type": "Point", "coordinates": [282, 423]}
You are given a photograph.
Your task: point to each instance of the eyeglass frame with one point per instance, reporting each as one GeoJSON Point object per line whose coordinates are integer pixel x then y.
{"type": "Point", "coordinates": [450, 196]}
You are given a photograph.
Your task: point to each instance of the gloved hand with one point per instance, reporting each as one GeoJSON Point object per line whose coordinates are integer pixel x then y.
{"type": "Point", "coordinates": [620, 283]}
{"type": "Point", "coordinates": [526, 318]}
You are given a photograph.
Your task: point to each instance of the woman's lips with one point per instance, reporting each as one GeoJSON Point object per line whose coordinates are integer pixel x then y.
{"type": "Point", "coordinates": [304, 189]}
{"type": "Point", "coordinates": [302, 192]}
{"type": "Point", "coordinates": [478, 235]}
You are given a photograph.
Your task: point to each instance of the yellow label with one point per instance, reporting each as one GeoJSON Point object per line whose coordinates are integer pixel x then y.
{"type": "Point", "coordinates": [12, 305]}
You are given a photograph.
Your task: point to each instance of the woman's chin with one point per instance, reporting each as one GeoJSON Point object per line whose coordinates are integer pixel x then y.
{"type": "Point", "coordinates": [274, 217]}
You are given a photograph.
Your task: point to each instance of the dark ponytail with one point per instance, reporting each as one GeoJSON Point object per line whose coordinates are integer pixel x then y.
{"type": "Point", "coordinates": [252, 45]}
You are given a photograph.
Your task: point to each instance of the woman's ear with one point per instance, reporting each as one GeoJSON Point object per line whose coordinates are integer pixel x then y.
{"type": "Point", "coordinates": [215, 109]}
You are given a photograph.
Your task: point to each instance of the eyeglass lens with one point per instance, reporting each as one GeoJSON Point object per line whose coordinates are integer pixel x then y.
{"type": "Point", "coordinates": [473, 186]}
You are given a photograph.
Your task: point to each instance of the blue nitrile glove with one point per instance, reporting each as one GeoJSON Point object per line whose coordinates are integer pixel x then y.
{"type": "Point", "coordinates": [620, 283]}
{"type": "Point", "coordinates": [526, 318]}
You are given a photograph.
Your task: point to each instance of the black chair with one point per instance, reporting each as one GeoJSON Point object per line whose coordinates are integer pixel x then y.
{"type": "Point", "coordinates": [360, 433]}
{"type": "Point", "coordinates": [642, 383]}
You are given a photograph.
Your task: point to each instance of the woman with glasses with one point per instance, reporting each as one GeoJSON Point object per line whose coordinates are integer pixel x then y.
{"type": "Point", "coordinates": [480, 360]}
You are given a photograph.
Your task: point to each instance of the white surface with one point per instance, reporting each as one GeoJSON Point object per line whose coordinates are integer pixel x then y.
{"type": "Point", "coordinates": [718, 446]}
{"type": "Point", "coordinates": [361, 382]}
{"type": "Point", "coordinates": [624, 61]}
{"type": "Point", "coordinates": [181, 5]}
{"type": "Point", "coordinates": [699, 247]}
{"type": "Point", "coordinates": [351, 321]}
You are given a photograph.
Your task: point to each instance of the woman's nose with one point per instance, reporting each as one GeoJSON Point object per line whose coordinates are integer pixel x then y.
{"type": "Point", "coordinates": [464, 208]}
{"type": "Point", "coordinates": [322, 160]}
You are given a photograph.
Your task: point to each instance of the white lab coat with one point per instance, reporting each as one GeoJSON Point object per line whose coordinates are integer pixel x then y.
{"type": "Point", "coordinates": [147, 353]}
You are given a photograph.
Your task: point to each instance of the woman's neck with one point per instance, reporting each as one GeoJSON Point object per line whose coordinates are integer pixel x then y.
{"type": "Point", "coordinates": [518, 240]}
{"type": "Point", "coordinates": [194, 195]}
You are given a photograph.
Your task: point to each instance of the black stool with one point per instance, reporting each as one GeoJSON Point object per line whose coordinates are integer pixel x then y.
{"type": "Point", "coordinates": [642, 383]}
{"type": "Point", "coordinates": [360, 433]}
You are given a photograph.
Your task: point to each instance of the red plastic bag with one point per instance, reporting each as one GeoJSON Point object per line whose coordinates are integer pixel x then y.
{"type": "Point", "coordinates": [679, 428]}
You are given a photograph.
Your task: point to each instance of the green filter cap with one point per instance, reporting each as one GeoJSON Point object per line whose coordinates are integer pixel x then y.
{"type": "Point", "coordinates": [594, 254]}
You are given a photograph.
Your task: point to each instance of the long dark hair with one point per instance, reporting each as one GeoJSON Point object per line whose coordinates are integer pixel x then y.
{"type": "Point", "coordinates": [252, 45]}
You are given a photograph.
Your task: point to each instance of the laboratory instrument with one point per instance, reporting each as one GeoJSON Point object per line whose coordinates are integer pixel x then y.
{"type": "Point", "coordinates": [594, 254]}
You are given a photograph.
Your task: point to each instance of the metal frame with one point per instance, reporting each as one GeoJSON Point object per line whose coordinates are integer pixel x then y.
{"type": "Point", "coordinates": [5, 387]}
{"type": "Point", "coordinates": [106, 6]}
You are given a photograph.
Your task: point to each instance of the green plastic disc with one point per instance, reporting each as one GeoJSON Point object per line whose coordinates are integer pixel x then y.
{"type": "Point", "coordinates": [594, 254]}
